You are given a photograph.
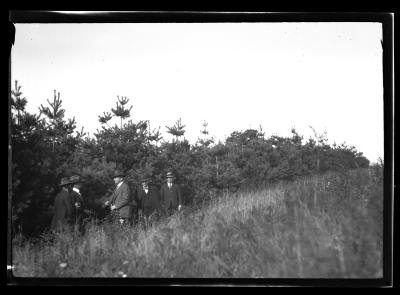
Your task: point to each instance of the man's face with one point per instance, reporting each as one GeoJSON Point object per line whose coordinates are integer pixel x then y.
{"type": "Point", "coordinates": [144, 185]}
{"type": "Point", "coordinates": [117, 180]}
{"type": "Point", "coordinates": [169, 180]}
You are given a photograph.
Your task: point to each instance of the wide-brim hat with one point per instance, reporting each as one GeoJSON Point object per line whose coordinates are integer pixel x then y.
{"type": "Point", "coordinates": [119, 173]}
{"type": "Point", "coordinates": [64, 181]}
{"type": "Point", "coordinates": [75, 179]}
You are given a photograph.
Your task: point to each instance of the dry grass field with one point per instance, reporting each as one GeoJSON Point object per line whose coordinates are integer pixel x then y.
{"type": "Point", "coordinates": [323, 226]}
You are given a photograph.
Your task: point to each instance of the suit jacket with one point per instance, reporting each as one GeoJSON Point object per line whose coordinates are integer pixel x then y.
{"type": "Point", "coordinates": [63, 211]}
{"type": "Point", "coordinates": [170, 197]}
{"type": "Point", "coordinates": [121, 198]}
{"type": "Point", "coordinates": [150, 202]}
{"type": "Point", "coordinates": [78, 212]}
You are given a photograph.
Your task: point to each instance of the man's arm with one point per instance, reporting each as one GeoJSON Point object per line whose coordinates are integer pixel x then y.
{"type": "Point", "coordinates": [108, 202]}
{"type": "Point", "coordinates": [159, 206]}
{"type": "Point", "coordinates": [139, 200]}
{"type": "Point", "coordinates": [178, 190]}
{"type": "Point", "coordinates": [133, 199]}
{"type": "Point", "coordinates": [124, 197]}
{"type": "Point", "coordinates": [67, 201]}
{"type": "Point", "coordinates": [77, 198]}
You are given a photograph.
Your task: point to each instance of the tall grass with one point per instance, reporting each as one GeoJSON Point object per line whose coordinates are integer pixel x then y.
{"type": "Point", "coordinates": [327, 226]}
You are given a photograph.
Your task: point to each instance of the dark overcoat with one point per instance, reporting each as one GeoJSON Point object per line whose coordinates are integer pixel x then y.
{"type": "Point", "coordinates": [63, 211]}
{"type": "Point", "coordinates": [121, 198]}
{"type": "Point", "coordinates": [149, 203]}
{"type": "Point", "coordinates": [170, 197]}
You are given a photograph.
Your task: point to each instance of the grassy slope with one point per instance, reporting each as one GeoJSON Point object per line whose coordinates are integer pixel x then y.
{"type": "Point", "coordinates": [321, 227]}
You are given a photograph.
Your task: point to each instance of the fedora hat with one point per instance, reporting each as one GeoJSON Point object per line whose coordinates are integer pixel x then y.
{"type": "Point", "coordinates": [75, 179]}
{"type": "Point", "coordinates": [64, 181]}
{"type": "Point", "coordinates": [119, 173]}
{"type": "Point", "coordinates": [144, 178]}
{"type": "Point", "coordinates": [170, 174]}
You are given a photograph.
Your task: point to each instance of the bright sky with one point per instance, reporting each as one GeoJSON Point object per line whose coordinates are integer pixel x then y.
{"type": "Point", "coordinates": [235, 76]}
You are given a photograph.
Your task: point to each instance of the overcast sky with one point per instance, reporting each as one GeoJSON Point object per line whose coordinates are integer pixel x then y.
{"type": "Point", "coordinates": [235, 76]}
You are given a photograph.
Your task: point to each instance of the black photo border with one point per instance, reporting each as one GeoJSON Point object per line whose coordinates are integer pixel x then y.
{"type": "Point", "coordinates": [387, 21]}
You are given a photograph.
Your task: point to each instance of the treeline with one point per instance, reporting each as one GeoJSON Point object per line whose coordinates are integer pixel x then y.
{"type": "Point", "coordinates": [46, 147]}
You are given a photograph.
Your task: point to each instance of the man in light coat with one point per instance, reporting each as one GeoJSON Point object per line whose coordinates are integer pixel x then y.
{"type": "Point", "coordinates": [120, 201]}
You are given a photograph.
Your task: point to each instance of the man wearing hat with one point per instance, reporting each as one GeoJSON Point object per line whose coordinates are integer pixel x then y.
{"type": "Point", "coordinates": [149, 199]}
{"type": "Point", "coordinates": [63, 207]}
{"type": "Point", "coordinates": [79, 204]}
{"type": "Point", "coordinates": [120, 201]}
{"type": "Point", "coordinates": [170, 194]}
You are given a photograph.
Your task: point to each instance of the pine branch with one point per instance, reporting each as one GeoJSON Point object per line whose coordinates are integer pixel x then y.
{"type": "Point", "coordinates": [105, 118]}
{"type": "Point", "coordinates": [177, 130]}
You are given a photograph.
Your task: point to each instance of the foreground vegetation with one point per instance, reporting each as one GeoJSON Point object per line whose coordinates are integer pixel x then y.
{"type": "Point", "coordinates": [326, 226]}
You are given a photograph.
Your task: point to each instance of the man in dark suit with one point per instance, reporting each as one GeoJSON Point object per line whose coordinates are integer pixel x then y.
{"type": "Point", "coordinates": [81, 212]}
{"type": "Point", "coordinates": [120, 201]}
{"type": "Point", "coordinates": [149, 201]}
{"type": "Point", "coordinates": [63, 207]}
{"type": "Point", "coordinates": [170, 194]}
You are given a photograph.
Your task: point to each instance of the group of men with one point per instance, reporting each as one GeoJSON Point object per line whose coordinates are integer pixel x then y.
{"type": "Point", "coordinates": [69, 207]}
{"type": "Point", "coordinates": [126, 207]}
